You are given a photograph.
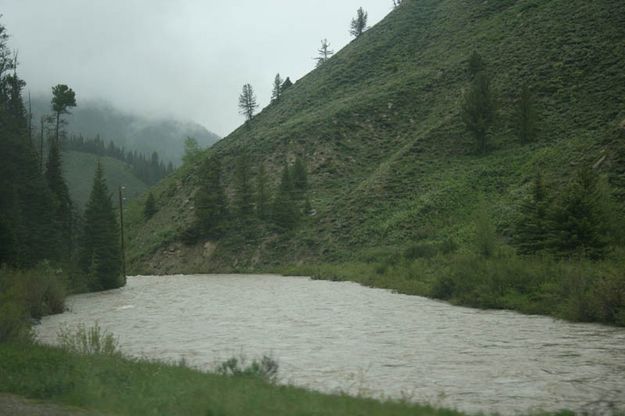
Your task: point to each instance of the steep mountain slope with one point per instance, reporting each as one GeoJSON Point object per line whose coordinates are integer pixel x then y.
{"type": "Point", "coordinates": [133, 132]}
{"type": "Point", "coordinates": [380, 126]}
{"type": "Point", "coordinates": [79, 169]}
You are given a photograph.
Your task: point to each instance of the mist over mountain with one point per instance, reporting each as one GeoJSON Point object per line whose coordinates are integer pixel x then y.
{"type": "Point", "coordinates": [134, 132]}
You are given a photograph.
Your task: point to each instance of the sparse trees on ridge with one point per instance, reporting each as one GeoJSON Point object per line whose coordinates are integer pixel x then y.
{"type": "Point", "coordinates": [63, 98]}
{"type": "Point", "coordinates": [277, 88]}
{"type": "Point", "coordinates": [396, 3]}
{"type": "Point", "coordinates": [359, 23]}
{"type": "Point", "coordinates": [247, 102]}
{"type": "Point", "coordinates": [287, 84]}
{"type": "Point", "coordinates": [324, 53]}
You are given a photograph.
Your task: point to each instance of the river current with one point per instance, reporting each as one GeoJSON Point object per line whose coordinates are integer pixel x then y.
{"type": "Point", "coordinates": [342, 337]}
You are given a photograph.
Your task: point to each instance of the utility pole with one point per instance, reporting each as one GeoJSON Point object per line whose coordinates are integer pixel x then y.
{"type": "Point", "coordinates": [43, 120]}
{"type": "Point", "coordinates": [30, 119]}
{"type": "Point", "coordinates": [121, 228]}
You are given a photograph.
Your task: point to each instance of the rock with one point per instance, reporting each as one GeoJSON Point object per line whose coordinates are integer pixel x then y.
{"type": "Point", "coordinates": [209, 249]}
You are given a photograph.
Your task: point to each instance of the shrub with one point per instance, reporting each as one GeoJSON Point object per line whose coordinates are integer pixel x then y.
{"type": "Point", "coordinates": [266, 368]}
{"type": "Point", "coordinates": [88, 341]}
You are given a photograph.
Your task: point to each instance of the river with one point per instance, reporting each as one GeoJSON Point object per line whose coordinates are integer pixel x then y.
{"type": "Point", "coordinates": [342, 337]}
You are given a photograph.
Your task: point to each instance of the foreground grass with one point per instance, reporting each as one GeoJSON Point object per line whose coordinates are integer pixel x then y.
{"type": "Point", "coordinates": [121, 386]}
{"type": "Point", "coordinates": [576, 290]}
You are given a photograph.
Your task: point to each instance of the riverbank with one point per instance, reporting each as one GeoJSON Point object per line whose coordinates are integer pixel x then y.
{"type": "Point", "coordinates": [577, 290]}
{"type": "Point", "coordinates": [121, 386]}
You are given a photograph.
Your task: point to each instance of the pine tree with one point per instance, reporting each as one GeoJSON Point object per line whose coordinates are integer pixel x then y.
{"type": "Point", "coordinates": [100, 252]}
{"type": "Point", "coordinates": [262, 193]}
{"type": "Point", "coordinates": [211, 205]}
{"type": "Point", "coordinates": [28, 232]}
{"type": "Point", "coordinates": [149, 209]}
{"type": "Point", "coordinates": [63, 98]}
{"type": "Point", "coordinates": [247, 102]}
{"type": "Point", "coordinates": [478, 110]}
{"type": "Point", "coordinates": [532, 229]}
{"type": "Point", "coordinates": [62, 199]}
{"type": "Point", "coordinates": [300, 178]}
{"type": "Point", "coordinates": [284, 210]}
{"type": "Point", "coordinates": [287, 84]}
{"type": "Point", "coordinates": [476, 64]}
{"type": "Point", "coordinates": [526, 116]}
{"type": "Point", "coordinates": [244, 196]}
{"type": "Point", "coordinates": [324, 53]}
{"type": "Point", "coordinates": [580, 222]}
{"type": "Point", "coordinates": [359, 23]}
{"type": "Point", "coordinates": [277, 89]}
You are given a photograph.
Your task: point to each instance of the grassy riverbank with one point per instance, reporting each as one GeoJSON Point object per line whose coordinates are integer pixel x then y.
{"type": "Point", "coordinates": [576, 290]}
{"type": "Point", "coordinates": [120, 386]}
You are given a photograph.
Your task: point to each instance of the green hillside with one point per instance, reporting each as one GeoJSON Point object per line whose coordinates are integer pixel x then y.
{"type": "Point", "coordinates": [390, 161]}
{"type": "Point", "coordinates": [79, 169]}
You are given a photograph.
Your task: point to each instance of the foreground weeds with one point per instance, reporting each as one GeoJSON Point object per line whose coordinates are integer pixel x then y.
{"type": "Point", "coordinates": [120, 386]}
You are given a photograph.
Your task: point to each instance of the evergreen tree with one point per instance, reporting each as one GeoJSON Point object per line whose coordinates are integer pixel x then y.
{"type": "Point", "coordinates": [287, 84]}
{"type": "Point", "coordinates": [262, 193]}
{"type": "Point", "coordinates": [28, 234]}
{"type": "Point", "coordinates": [485, 231]}
{"type": "Point", "coordinates": [476, 64]}
{"type": "Point", "coordinates": [62, 199]}
{"type": "Point", "coordinates": [149, 209]}
{"type": "Point", "coordinates": [247, 102]}
{"type": "Point", "coordinates": [211, 205]}
{"type": "Point", "coordinates": [478, 110]}
{"type": "Point", "coordinates": [532, 229]}
{"type": "Point", "coordinates": [244, 195]}
{"type": "Point", "coordinates": [300, 178]}
{"type": "Point", "coordinates": [580, 220]}
{"type": "Point", "coordinates": [100, 252]}
{"type": "Point", "coordinates": [526, 116]}
{"type": "Point", "coordinates": [324, 53]}
{"type": "Point", "coordinates": [359, 23]}
{"type": "Point", "coordinates": [277, 88]}
{"type": "Point", "coordinates": [63, 98]}
{"type": "Point", "coordinates": [284, 210]}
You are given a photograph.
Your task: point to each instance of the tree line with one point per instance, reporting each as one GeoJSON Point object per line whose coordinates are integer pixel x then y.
{"type": "Point", "coordinates": [38, 221]}
{"type": "Point", "coordinates": [150, 169]}
{"type": "Point", "coordinates": [253, 202]}
{"type": "Point", "coordinates": [247, 99]}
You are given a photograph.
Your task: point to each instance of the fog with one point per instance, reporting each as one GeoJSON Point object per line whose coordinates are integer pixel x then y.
{"type": "Point", "coordinates": [188, 59]}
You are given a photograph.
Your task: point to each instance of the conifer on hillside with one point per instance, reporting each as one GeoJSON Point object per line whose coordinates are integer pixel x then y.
{"type": "Point", "coordinates": [532, 229]}
{"type": "Point", "coordinates": [262, 193]}
{"type": "Point", "coordinates": [149, 209]}
{"type": "Point", "coordinates": [100, 252]}
{"type": "Point", "coordinates": [284, 210]}
{"type": "Point", "coordinates": [211, 205]}
{"type": "Point", "coordinates": [62, 200]}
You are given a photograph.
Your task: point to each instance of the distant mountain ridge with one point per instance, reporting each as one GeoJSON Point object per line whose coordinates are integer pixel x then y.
{"type": "Point", "coordinates": [165, 136]}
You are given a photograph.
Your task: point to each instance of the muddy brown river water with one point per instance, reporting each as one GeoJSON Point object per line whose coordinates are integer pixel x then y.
{"type": "Point", "coordinates": [342, 337]}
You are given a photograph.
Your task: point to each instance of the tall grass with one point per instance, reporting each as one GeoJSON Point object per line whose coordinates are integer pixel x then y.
{"type": "Point", "coordinates": [575, 289]}
{"type": "Point", "coordinates": [29, 294]}
{"type": "Point", "coordinates": [88, 340]}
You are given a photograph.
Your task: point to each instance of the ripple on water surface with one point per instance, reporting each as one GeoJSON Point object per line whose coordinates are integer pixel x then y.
{"type": "Point", "coordinates": [344, 337]}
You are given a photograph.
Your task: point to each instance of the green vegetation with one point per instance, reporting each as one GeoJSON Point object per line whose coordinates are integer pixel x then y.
{"type": "Point", "coordinates": [79, 169]}
{"type": "Point", "coordinates": [100, 256]}
{"type": "Point", "coordinates": [26, 294]}
{"type": "Point", "coordinates": [576, 290]}
{"type": "Point", "coordinates": [133, 387]}
{"type": "Point", "coordinates": [391, 162]}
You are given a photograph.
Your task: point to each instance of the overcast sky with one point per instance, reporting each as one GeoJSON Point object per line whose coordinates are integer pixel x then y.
{"type": "Point", "coordinates": [184, 58]}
